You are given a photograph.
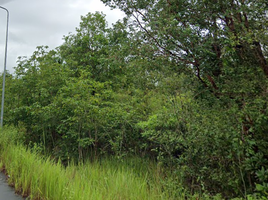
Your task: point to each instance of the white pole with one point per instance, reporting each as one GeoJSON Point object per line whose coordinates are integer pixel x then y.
{"type": "Point", "coordinates": [4, 75]}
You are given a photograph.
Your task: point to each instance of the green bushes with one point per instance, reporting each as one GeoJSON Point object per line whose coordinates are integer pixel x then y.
{"type": "Point", "coordinates": [191, 94]}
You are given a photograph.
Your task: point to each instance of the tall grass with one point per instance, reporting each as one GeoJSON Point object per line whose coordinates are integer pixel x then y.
{"type": "Point", "coordinates": [40, 178]}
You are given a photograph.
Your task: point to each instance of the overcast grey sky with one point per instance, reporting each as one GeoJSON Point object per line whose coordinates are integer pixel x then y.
{"type": "Point", "coordinates": [43, 22]}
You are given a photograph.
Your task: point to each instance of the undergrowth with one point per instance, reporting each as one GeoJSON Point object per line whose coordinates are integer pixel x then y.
{"type": "Point", "coordinates": [38, 177]}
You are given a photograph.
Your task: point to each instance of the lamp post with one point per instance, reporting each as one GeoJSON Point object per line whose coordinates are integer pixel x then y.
{"type": "Point", "coordinates": [4, 75]}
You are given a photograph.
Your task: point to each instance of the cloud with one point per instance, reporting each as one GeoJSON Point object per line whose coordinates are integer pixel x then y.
{"type": "Point", "coordinates": [2, 2]}
{"type": "Point", "coordinates": [39, 22]}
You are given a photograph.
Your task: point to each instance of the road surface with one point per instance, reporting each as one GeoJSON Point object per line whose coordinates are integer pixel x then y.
{"type": "Point", "coordinates": [7, 192]}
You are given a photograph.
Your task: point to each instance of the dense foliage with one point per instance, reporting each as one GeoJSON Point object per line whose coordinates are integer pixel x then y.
{"type": "Point", "coordinates": [182, 82]}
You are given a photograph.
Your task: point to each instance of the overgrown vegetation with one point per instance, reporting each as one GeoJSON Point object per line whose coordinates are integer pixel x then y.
{"type": "Point", "coordinates": [180, 82]}
{"type": "Point", "coordinates": [38, 177]}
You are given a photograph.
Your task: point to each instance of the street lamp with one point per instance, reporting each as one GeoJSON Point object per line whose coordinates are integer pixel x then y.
{"type": "Point", "coordinates": [4, 75]}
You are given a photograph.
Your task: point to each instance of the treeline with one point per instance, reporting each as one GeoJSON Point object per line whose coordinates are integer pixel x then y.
{"type": "Point", "coordinates": [181, 82]}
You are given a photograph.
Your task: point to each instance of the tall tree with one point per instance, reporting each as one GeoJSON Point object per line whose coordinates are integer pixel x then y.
{"type": "Point", "coordinates": [205, 38]}
{"type": "Point", "coordinates": [223, 44]}
{"type": "Point", "coordinates": [84, 49]}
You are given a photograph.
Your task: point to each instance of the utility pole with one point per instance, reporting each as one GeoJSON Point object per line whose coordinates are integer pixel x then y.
{"type": "Point", "coordinates": [4, 75]}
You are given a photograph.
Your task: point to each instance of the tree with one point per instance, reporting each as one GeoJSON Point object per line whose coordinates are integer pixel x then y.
{"type": "Point", "coordinates": [182, 82]}
{"type": "Point", "coordinates": [204, 37]}
{"type": "Point", "coordinates": [85, 49]}
{"type": "Point", "coordinates": [222, 44]}
{"type": "Point", "coordinates": [36, 83]}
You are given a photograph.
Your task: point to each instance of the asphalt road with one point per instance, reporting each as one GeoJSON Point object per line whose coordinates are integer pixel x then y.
{"type": "Point", "coordinates": [7, 192]}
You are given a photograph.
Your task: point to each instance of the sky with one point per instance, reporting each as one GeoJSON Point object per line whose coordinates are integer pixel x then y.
{"type": "Point", "coordinates": [34, 23]}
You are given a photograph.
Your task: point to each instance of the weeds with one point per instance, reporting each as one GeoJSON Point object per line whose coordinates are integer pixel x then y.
{"type": "Point", "coordinates": [41, 178]}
